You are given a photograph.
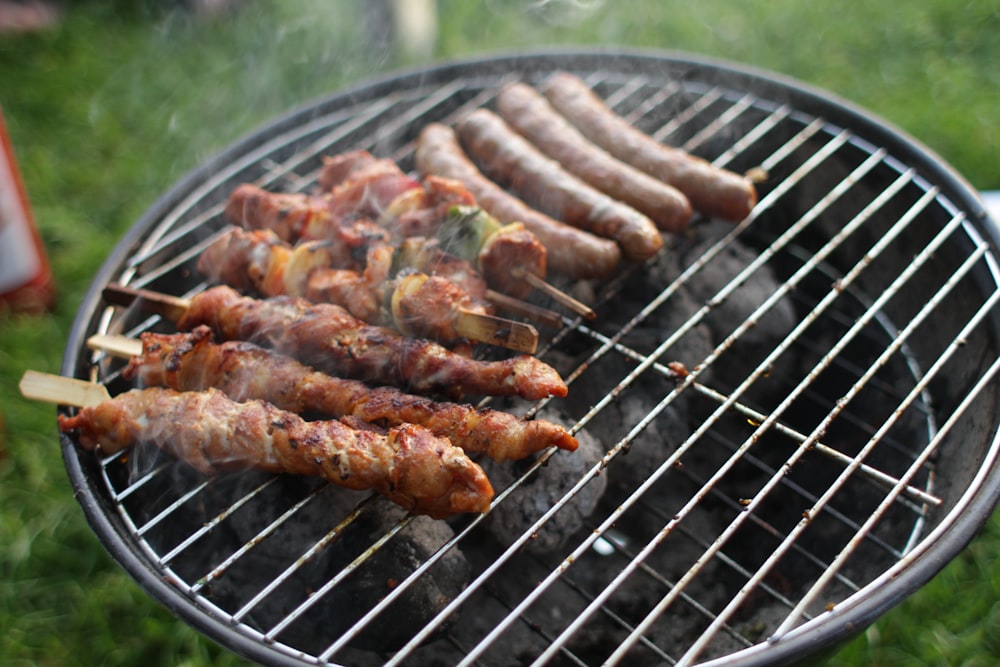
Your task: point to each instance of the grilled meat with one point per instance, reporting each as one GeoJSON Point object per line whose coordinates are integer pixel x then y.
{"type": "Point", "coordinates": [514, 162]}
{"type": "Point", "coordinates": [528, 112]}
{"type": "Point", "coordinates": [354, 243]}
{"type": "Point", "coordinates": [192, 362]}
{"type": "Point", "coordinates": [427, 211]}
{"type": "Point", "coordinates": [363, 184]}
{"type": "Point", "coordinates": [296, 217]}
{"type": "Point", "coordinates": [328, 338]}
{"type": "Point", "coordinates": [428, 256]}
{"type": "Point", "coordinates": [571, 252]}
{"type": "Point", "coordinates": [414, 304]}
{"type": "Point", "coordinates": [713, 191]}
{"type": "Point", "coordinates": [408, 464]}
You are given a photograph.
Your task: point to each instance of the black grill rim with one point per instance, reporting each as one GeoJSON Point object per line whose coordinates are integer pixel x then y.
{"type": "Point", "coordinates": [958, 528]}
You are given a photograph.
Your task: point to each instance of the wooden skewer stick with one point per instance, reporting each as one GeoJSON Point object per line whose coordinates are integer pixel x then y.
{"type": "Point", "coordinates": [170, 307]}
{"type": "Point", "coordinates": [554, 293]}
{"type": "Point", "coordinates": [61, 390]}
{"type": "Point", "coordinates": [510, 334]}
{"type": "Point", "coordinates": [549, 318]}
{"type": "Point", "coordinates": [116, 346]}
{"type": "Point", "coordinates": [513, 335]}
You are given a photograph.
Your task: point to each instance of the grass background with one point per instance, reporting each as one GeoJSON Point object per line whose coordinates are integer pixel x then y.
{"type": "Point", "coordinates": [114, 105]}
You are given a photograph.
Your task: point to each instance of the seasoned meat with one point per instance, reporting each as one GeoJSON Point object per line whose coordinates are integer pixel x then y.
{"type": "Point", "coordinates": [326, 337]}
{"type": "Point", "coordinates": [408, 464]}
{"type": "Point", "coordinates": [192, 362]}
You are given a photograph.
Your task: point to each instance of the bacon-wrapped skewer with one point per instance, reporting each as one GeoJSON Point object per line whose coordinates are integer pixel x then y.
{"type": "Point", "coordinates": [296, 217]}
{"type": "Point", "coordinates": [408, 464]}
{"type": "Point", "coordinates": [413, 303]}
{"type": "Point", "coordinates": [353, 243]}
{"type": "Point", "coordinates": [378, 188]}
{"type": "Point", "coordinates": [193, 361]}
{"type": "Point", "coordinates": [330, 340]}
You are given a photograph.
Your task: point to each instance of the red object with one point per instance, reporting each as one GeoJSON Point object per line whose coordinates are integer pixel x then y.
{"type": "Point", "coordinates": [26, 283]}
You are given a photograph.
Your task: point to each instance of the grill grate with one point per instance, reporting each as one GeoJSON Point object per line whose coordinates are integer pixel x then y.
{"type": "Point", "coordinates": [812, 450]}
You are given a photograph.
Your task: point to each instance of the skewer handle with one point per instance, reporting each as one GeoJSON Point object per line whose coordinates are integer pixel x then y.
{"type": "Point", "coordinates": [61, 390]}
{"type": "Point", "coordinates": [170, 307]}
{"type": "Point", "coordinates": [555, 293]}
{"type": "Point", "coordinates": [541, 315]}
{"type": "Point", "coordinates": [117, 346]}
{"type": "Point", "coordinates": [510, 334]}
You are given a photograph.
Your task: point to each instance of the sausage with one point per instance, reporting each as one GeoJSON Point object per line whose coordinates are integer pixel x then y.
{"type": "Point", "coordinates": [570, 251]}
{"type": "Point", "coordinates": [528, 112]}
{"type": "Point", "coordinates": [711, 190]}
{"type": "Point", "coordinates": [512, 161]}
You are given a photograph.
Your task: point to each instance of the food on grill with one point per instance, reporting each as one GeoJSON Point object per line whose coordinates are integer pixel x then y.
{"type": "Point", "coordinates": [363, 185]}
{"type": "Point", "coordinates": [571, 252]}
{"type": "Point", "coordinates": [357, 244]}
{"type": "Point", "coordinates": [413, 303]}
{"type": "Point", "coordinates": [428, 256]}
{"type": "Point", "coordinates": [528, 112]}
{"type": "Point", "coordinates": [438, 207]}
{"type": "Point", "coordinates": [514, 162]}
{"type": "Point", "coordinates": [711, 190]}
{"type": "Point", "coordinates": [408, 464]}
{"type": "Point", "coordinates": [505, 254]}
{"type": "Point", "coordinates": [329, 339]}
{"type": "Point", "coordinates": [192, 362]}
{"type": "Point", "coordinates": [474, 238]}
{"type": "Point", "coordinates": [296, 217]}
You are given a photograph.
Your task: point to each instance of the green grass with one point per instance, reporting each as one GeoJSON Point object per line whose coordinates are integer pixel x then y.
{"type": "Point", "coordinates": [110, 109]}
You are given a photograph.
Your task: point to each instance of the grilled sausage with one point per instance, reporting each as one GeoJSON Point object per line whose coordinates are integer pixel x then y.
{"type": "Point", "coordinates": [570, 251]}
{"type": "Point", "coordinates": [512, 161]}
{"type": "Point", "coordinates": [528, 112]}
{"type": "Point", "coordinates": [713, 191]}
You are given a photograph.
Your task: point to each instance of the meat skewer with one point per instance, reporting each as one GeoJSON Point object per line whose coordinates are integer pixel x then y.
{"type": "Point", "coordinates": [528, 112]}
{"type": "Point", "coordinates": [409, 465]}
{"type": "Point", "coordinates": [327, 338]}
{"type": "Point", "coordinates": [427, 210]}
{"type": "Point", "coordinates": [354, 244]}
{"type": "Point", "coordinates": [514, 162]}
{"type": "Point", "coordinates": [415, 304]}
{"type": "Point", "coordinates": [298, 217]}
{"type": "Point", "coordinates": [457, 225]}
{"type": "Point", "coordinates": [572, 252]}
{"type": "Point", "coordinates": [193, 361]}
{"type": "Point", "coordinates": [713, 191]}
{"type": "Point", "coordinates": [360, 184]}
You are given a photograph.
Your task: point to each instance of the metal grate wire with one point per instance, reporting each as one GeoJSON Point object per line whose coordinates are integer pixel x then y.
{"type": "Point", "coordinates": [851, 443]}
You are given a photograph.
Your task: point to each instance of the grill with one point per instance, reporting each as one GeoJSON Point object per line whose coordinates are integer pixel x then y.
{"type": "Point", "coordinates": [791, 420]}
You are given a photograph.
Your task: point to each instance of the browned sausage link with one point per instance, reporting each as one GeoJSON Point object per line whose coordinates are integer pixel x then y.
{"type": "Point", "coordinates": [529, 113]}
{"type": "Point", "coordinates": [570, 251]}
{"type": "Point", "coordinates": [512, 161]}
{"type": "Point", "coordinates": [713, 191]}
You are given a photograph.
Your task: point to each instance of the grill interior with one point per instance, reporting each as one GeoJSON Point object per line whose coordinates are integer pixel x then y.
{"type": "Point", "coordinates": [829, 419]}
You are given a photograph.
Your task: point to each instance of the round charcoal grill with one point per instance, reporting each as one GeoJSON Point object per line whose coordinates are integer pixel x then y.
{"type": "Point", "coordinates": [791, 421]}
